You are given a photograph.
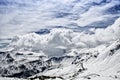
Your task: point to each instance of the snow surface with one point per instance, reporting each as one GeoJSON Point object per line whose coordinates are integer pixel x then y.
{"type": "Point", "coordinates": [5, 78]}
{"type": "Point", "coordinates": [104, 67]}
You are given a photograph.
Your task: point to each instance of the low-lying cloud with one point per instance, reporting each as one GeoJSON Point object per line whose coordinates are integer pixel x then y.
{"type": "Point", "coordinates": [59, 41]}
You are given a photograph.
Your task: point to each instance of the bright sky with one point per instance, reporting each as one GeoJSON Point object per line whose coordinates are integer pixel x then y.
{"type": "Point", "coordinates": [21, 16]}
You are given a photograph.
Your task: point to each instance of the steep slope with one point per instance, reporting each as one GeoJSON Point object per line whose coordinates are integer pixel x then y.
{"type": "Point", "coordinates": [106, 65]}
{"type": "Point", "coordinates": [84, 67]}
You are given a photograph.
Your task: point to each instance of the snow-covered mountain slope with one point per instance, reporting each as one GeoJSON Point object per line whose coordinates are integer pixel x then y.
{"type": "Point", "coordinates": [3, 78]}
{"type": "Point", "coordinates": [85, 64]}
{"type": "Point", "coordinates": [104, 66]}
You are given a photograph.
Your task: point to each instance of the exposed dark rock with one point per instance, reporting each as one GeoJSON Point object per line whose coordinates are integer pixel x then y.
{"type": "Point", "coordinates": [42, 77]}
{"type": "Point", "coordinates": [19, 53]}
{"type": "Point", "coordinates": [24, 74]}
{"type": "Point", "coordinates": [9, 58]}
{"type": "Point", "coordinates": [112, 51]}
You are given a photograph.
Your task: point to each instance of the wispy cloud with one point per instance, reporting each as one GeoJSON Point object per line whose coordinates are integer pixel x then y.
{"type": "Point", "coordinates": [21, 16]}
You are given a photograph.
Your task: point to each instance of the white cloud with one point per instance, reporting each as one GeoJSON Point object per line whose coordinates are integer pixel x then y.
{"type": "Point", "coordinates": [41, 14]}
{"type": "Point", "coordinates": [95, 14]}
{"type": "Point", "coordinates": [60, 40]}
{"type": "Point", "coordinates": [110, 33]}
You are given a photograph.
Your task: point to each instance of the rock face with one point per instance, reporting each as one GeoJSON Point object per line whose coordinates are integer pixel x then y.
{"type": "Point", "coordinates": [20, 69]}
{"type": "Point", "coordinates": [24, 68]}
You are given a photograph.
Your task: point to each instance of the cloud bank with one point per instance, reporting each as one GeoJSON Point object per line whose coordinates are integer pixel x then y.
{"type": "Point", "coordinates": [60, 40]}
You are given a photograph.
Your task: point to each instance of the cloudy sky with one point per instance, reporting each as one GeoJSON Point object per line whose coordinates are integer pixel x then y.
{"type": "Point", "coordinates": [21, 16]}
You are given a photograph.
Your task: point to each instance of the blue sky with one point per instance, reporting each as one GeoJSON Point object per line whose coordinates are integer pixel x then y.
{"type": "Point", "coordinates": [21, 17]}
